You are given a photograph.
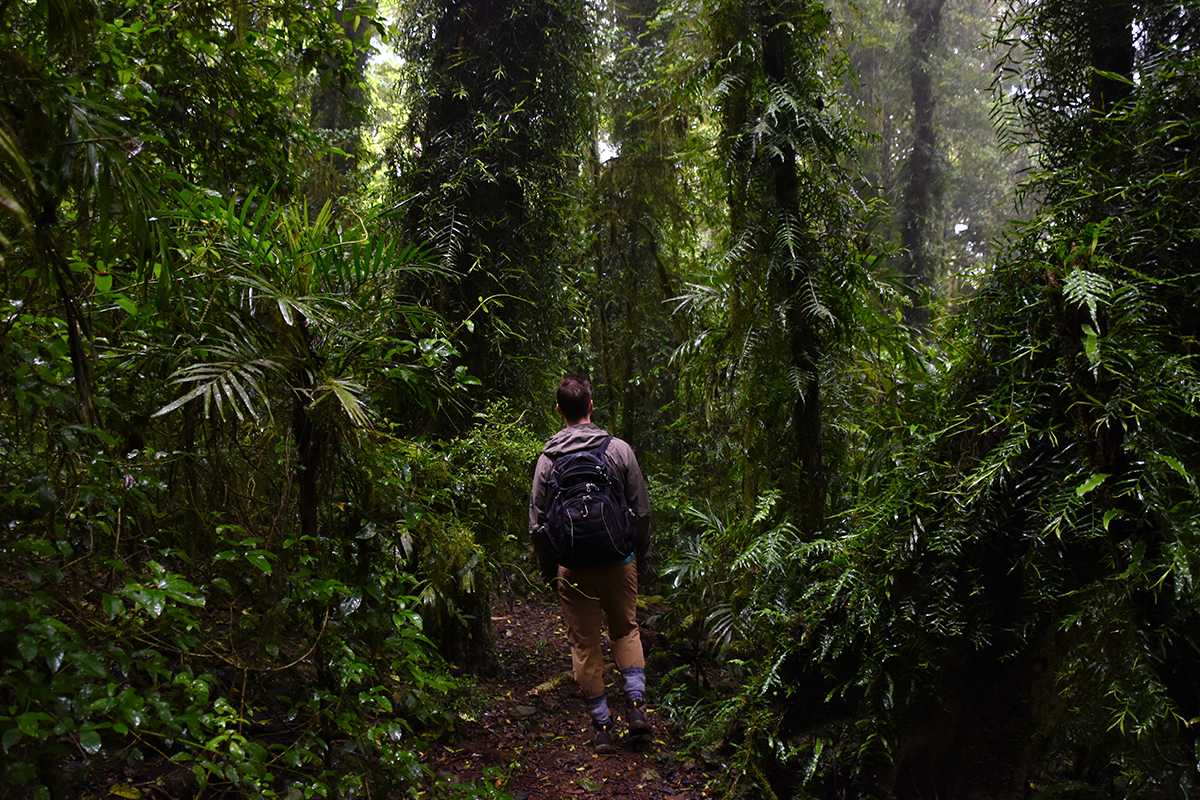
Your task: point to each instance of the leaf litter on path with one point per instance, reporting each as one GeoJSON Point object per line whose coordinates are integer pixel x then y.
{"type": "Point", "coordinates": [532, 738]}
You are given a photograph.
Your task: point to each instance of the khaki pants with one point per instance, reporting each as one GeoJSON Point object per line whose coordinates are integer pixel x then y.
{"type": "Point", "coordinates": [585, 595]}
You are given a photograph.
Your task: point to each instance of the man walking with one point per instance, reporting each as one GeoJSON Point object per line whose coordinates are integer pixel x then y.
{"type": "Point", "coordinates": [588, 590]}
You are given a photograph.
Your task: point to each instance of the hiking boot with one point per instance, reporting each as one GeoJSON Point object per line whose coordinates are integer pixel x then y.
{"type": "Point", "coordinates": [604, 737]}
{"type": "Point", "coordinates": [635, 716]}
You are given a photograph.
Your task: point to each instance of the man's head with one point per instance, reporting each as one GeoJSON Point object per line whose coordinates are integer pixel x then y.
{"type": "Point", "coordinates": [575, 398]}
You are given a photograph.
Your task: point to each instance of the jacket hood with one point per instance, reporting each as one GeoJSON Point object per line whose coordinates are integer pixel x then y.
{"type": "Point", "coordinates": [585, 436]}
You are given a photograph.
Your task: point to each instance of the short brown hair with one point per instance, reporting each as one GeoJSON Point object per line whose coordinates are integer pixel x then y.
{"type": "Point", "coordinates": [574, 397]}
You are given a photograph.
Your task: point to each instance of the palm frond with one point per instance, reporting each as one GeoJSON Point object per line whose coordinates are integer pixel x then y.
{"type": "Point", "coordinates": [349, 396]}
{"type": "Point", "coordinates": [314, 309]}
{"type": "Point", "coordinates": [232, 376]}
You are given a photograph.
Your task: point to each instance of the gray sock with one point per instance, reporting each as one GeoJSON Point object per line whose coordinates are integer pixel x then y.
{"type": "Point", "coordinates": [635, 683]}
{"type": "Point", "coordinates": [597, 708]}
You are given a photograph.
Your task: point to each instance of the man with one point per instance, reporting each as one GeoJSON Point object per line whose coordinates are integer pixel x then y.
{"type": "Point", "coordinates": [586, 592]}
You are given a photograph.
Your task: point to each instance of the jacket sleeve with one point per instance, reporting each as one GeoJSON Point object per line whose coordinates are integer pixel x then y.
{"type": "Point", "coordinates": [639, 501]}
{"type": "Point", "coordinates": [547, 568]}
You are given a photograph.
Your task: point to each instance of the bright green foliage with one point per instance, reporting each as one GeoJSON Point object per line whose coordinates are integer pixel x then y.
{"type": "Point", "coordinates": [307, 301]}
{"type": "Point", "coordinates": [110, 111]}
{"type": "Point", "coordinates": [1008, 603]}
{"type": "Point", "coordinates": [459, 509]}
{"type": "Point", "coordinates": [738, 612]}
{"type": "Point", "coordinates": [165, 598]}
{"type": "Point", "coordinates": [232, 545]}
{"type": "Point", "coordinates": [730, 578]}
{"type": "Point", "coordinates": [205, 566]}
{"type": "Point", "coordinates": [117, 643]}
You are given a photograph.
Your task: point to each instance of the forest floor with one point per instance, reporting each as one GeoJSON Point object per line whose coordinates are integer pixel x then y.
{"type": "Point", "coordinates": [529, 734]}
{"type": "Point", "coordinates": [521, 733]}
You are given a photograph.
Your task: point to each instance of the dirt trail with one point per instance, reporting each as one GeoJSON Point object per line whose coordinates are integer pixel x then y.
{"type": "Point", "coordinates": [532, 739]}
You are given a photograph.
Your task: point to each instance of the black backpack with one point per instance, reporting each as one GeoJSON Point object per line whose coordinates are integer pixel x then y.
{"type": "Point", "coordinates": [588, 521]}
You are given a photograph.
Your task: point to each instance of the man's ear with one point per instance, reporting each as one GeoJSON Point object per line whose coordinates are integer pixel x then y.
{"type": "Point", "coordinates": [559, 410]}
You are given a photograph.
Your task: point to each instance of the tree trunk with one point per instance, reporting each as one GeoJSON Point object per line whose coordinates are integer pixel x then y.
{"type": "Point", "coordinates": [804, 339]}
{"type": "Point", "coordinates": [635, 192]}
{"type": "Point", "coordinates": [337, 107]}
{"type": "Point", "coordinates": [1110, 36]}
{"type": "Point", "coordinates": [920, 191]}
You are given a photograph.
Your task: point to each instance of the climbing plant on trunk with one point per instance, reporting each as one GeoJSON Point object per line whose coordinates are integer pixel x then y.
{"type": "Point", "coordinates": [638, 223]}
{"type": "Point", "coordinates": [784, 284]}
{"type": "Point", "coordinates": [920, 196]}
{"type": "Point", "coordinates": [485, 169]}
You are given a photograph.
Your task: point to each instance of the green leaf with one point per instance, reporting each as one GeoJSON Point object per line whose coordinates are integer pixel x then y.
{"type": "Point", "coordinates": [89, 665]}
{"type": "Point", "coordinates": [259, 559]}
{"type": "Point", "coordinates": [134, 716]}
{"type": "Point", "coordinates": [89, 740]}
{"type": "Point", "coordinates": [1114, 76]}
{"type": "Point", "coordinates": [113, 605]}
{"type": "Point", "coordinates": [1091, 483]}
{"type": "Point", "coordinates": [127, 305]}
{"type": "Point", "coordinates": [29, 722]}
{"type": "Point", "coordinates": [27, 646]}
{"type": "Point", "coordinates": [1091, 346]}
{"type": "Point", "coordinates": [1175, 464]}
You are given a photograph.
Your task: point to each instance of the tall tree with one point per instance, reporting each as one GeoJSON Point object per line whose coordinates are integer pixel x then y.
{"type": "Point", "coordinates": [114, 111]}
{"type": "Point", "coordinates": [787, 276]}
{"type": "Point", "coordinates": [921, 189]}
{"type": "Point", "coordinates": [498, 115]}
{"type": "Point", "coordinates": [638, 222]}
{"type": "Point", "coordinates": [133, 138]}
{"type": "Point", "coordinates": [339, 106]}
{"type": "Point", "coordinates": [922, 76]}
{"type": "Point", "coordinates": [1014, 607]}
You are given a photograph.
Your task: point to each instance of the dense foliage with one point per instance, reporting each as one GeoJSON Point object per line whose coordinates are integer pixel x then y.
{"type": "Point", "coordinates": [1008, 604]}
{"type": "Point", "coordinates": [272, 382]}
{"type": "Point", "coordinates": [497, 108]}
{"type": "Point", "coordinates": [222, 552]}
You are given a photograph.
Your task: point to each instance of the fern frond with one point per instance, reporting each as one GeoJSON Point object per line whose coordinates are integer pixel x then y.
{"type": "Point", "coordinates": [1088, 288]}
{"type": "Point", "coordinates": [813, 306]}
{"type": "Point", "coordinates": [790, 235]}
{"type": "Point", "coordinates": [730, 81]}
{"type": "Point", "coordinates": [771, 551]}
